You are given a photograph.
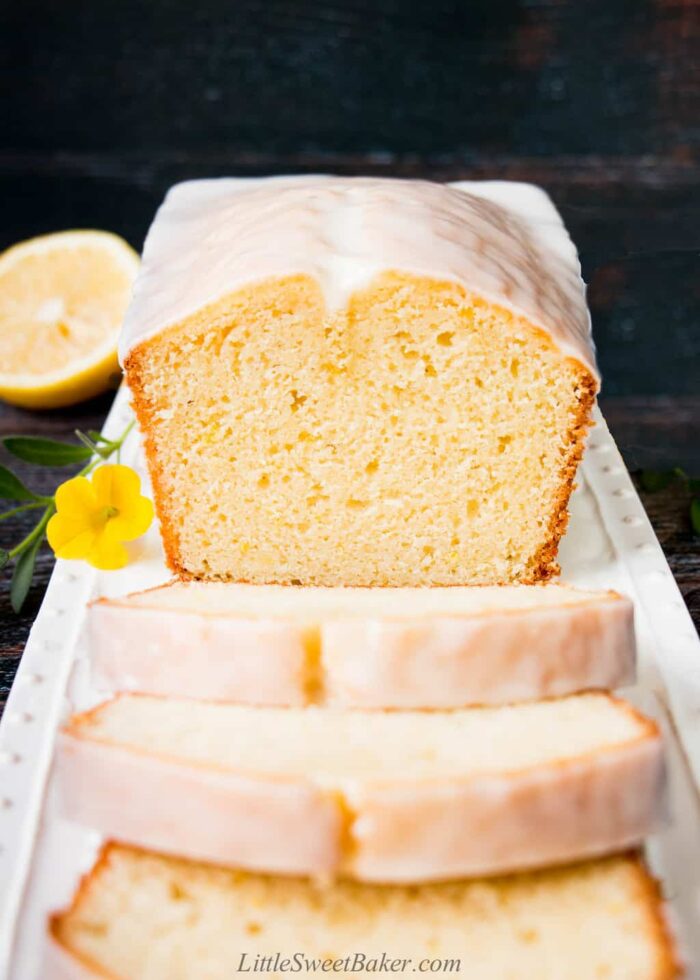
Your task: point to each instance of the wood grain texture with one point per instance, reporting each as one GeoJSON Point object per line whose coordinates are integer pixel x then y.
{"type": "Point", "coordinates": [635, 222]}
{"type": "Point", "coordinates": [107, 104]}
{"type": "Point", "coordinates": [599, 102]}
{"type": "Point", "coordinates": [526, 77]}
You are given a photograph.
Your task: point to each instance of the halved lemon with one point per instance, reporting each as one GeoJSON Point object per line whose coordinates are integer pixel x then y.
{"type": "Point", "coordinates": [62, 301]}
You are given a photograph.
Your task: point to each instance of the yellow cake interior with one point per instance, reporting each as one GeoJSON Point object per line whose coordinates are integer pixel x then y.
{"type": "Point", "coordinates": [155, 918]}
{"type": "Point", "coordinates": [419, 436]}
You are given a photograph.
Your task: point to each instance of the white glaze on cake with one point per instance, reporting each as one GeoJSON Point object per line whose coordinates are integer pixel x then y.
{"type": "Point", "coordinates": [503, 241]}
{"type": "Point", "coordinates": [372, 648]}
{"type": "Point", "coordinates": [497, 790]}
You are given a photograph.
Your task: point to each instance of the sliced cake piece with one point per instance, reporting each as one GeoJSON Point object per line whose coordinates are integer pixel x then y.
{"type": "Point", "coordinates": [382, 796]}
{"type": "Point", "coordinates": [140, 916]}
{"type": "Point", "coordinates": [378, 648]}
{"type": "Point", "coordinates": [352, 381]}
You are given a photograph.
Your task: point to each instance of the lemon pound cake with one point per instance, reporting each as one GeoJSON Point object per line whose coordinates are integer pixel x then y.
{"type": "Point", "coordinates": [382, 796]}
{"type": "Point", "coordinates": [370, 648]}
{"type": "Point", "coordinates": [140, 916]}
{"type": "Point", "coordinates": [359, 381]}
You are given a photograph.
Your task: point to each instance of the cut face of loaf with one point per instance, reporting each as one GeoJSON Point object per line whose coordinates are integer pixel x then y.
{"type": "Point", "coordinates": [381, 796]}
{"type": "Point", "coordinates": [360, 382]}
{"type": "Point", "coordinates": [139, 916]}
{"type": "Point", "coordinates": [370, 648]}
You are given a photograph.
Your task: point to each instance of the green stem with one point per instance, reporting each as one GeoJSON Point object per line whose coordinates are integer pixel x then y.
{"type": "Point", "coordinates": [38, 531]}
{"type": "Point", "coordinates": [108, 451]}
{"type": "Point", "coordinates": [120, 442]}
{"type": "Point", "coordinates": [17, 510]}
{"type": "Point", "coordinates": [50, 502]}
{"type": "Point", "coordinates": [126, 432]}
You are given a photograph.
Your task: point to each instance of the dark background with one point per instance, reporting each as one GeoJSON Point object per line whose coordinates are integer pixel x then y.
{"type": "Point", "coordinates": [106, 103]}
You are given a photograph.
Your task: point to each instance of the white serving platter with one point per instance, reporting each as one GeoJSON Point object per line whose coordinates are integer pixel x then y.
{"type": "Point", "coordinates": [610, 544]}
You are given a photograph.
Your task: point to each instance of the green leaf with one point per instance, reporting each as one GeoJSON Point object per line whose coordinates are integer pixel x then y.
{"type": "Point", "coordinates": [4, 557]}
{"type": "Point", "coordinates": [96, 436]}
{"type": "Point", "coordinates": [695, 514]}
{"type": "Point", "coordinates": [652, 480]}
{"type": "Point", "coordinates": [46, 452]}
{"type": "Point", "coordinates": [12, 488]}
{"type": "Point", "coordinates": [694, 486]}
{"type": "Point", "coordinates": [23, 574]}
{"type": "Point", "coordinates": [87, 442]}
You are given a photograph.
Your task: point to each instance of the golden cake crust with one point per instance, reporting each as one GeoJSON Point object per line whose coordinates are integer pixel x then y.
{"type": "Point", "coordinates": [65, 961]}
{"type": "Point", "coordinates": [382, 826]}
{"type": "Point", "coordinates": [215, 319]}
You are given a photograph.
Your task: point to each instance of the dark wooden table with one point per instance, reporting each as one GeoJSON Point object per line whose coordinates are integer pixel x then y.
{"type": "Point", "coordinates": [107, 104]}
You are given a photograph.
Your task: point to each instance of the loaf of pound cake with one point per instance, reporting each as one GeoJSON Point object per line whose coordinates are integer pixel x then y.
{"type": "Point", "coordinates": [397, 796]}
{"type": "Point", "coordinates": [140, 916]}
{"type": "Point", "coordinates": [360, 381]}
{"type": "Point", "coordinates": [368, 648]}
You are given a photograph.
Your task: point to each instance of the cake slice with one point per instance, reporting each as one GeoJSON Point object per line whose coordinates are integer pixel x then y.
{"type": "Point", "coordinates": [140, 916]}
{"type": "Point", "coordinates": [382, 796]}
{"type": "Point", "coordinates": [352, 381]}
{"type": "Point", "coordinates": [372, 648]}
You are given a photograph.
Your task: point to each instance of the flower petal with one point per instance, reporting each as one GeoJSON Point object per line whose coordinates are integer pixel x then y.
{"type": "Point", "coordinates": [76, 498]}
{"type": "Point", "coordinates": [133, 521]}
{"type": "Point", "coordinates": [70, 537]}
{"type": "Point", "coordinates": [83, 527]}
{"type": "Point", "coordinates": [116, 485]}
{"type": "Point", "coordinates": [107, 553]}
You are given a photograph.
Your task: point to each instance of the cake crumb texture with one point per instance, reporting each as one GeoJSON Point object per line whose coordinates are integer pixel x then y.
{"type": "Point", "coordinates": [139, 916]}
{"type": "Point", "coordinates": [419, 436]}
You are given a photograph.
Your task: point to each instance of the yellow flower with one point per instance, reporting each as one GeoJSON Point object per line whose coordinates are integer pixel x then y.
{"type": "Point", "coordinates": [93, 516]}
